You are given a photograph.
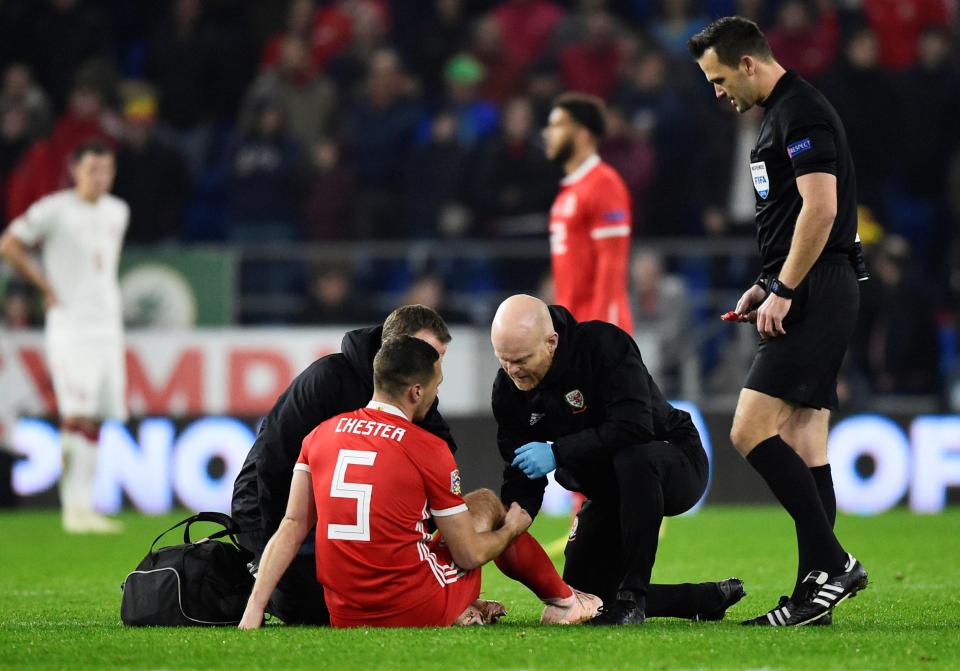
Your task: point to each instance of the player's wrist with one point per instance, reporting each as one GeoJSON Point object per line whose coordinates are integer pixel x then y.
{"type": "Point", "coordinates": [511, 529]}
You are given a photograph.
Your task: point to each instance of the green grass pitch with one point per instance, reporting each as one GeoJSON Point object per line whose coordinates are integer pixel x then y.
{"type": "Point", "coordinates": [60, 601]}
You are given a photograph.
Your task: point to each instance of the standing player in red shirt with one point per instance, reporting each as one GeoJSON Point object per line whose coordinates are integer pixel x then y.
{"type": "Point", "coordinates": [590, 221]}
{"type": "Point", "coordinates": [370, 480]}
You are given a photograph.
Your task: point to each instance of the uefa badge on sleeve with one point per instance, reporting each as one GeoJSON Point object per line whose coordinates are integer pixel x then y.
{"type": "Point", "coordinates": [455, 481]}
{"type": "Point", "coordinates": [576, 401]}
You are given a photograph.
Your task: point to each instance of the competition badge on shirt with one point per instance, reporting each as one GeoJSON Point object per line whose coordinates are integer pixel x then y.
{"type": "Point", "coordinates": [761, 182]}
{"type": "Point", "coordinates": [455, 481]}
{"type": "Point", "coordinates": [576, 401]}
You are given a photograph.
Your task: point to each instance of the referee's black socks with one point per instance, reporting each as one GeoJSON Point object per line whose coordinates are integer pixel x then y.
{"type": "Point", "coordinates": [792, 482]}
{"type": "Point", "coordinates": [823, 476]}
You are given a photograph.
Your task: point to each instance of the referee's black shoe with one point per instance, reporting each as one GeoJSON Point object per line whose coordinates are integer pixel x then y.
{"type": "Point", "coordinates": [625, 610]}
{"type": "Point", "coordinates": [824, 621]}
{"type": "Point", "coordinates": [820, 594]}
{"type": "Point", "coordinates": [731, 591]}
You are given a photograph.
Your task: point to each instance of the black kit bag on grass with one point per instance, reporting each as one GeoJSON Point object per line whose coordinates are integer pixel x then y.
{"type": "Point", "coordinates": [198, 583]}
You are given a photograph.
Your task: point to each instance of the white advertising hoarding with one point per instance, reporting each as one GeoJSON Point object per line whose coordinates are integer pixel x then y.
{"type": "Point", "coordinates": [214, 376]}
{"type": "Point", "coordinates": [238, 372]}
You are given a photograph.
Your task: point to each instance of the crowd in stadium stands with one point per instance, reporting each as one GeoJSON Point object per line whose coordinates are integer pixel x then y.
{"type": "Point", "coordinates": [249, 121]}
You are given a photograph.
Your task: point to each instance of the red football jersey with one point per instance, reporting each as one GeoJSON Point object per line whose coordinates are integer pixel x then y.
{"type": "Point", "coordinates": [590, 225]}
{"type": "Point", "coordinates": [377, 478]}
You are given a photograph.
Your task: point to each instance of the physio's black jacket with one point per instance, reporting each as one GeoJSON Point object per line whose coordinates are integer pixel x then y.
{"type": "Point", "coordinates": [801, 133]}
{"type": "Point", "coordinates": [597, 398]}
{"type": "Point", "coordinates": [331, 385]}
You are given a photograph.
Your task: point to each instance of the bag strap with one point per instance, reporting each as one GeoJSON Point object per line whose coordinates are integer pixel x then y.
{"type": "Point", "coordinates": [229, 527]}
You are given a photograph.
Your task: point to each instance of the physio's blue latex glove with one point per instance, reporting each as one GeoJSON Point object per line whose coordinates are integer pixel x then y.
{"type": "Point", "coordinates": [535, 459]}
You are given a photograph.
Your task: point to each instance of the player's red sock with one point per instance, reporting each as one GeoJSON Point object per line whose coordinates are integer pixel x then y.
{"type": "Point", "coordinates": [576, 499]}
{"type": "Point", "coordinates": [526, 562]}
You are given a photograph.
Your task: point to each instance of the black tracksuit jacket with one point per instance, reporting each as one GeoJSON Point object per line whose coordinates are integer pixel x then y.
{"type": "Point", "coordinates": [597, 398]}
{"type": "Point", "coordinates": [331, 385]}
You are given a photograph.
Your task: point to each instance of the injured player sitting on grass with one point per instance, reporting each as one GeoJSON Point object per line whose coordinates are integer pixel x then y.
{"type": "Point", "coordinates": [369, 481]}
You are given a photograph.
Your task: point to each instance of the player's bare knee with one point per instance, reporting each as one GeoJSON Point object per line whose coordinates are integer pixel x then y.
{"type": "Point", "coordinates": [486, 509]}
{"type": "Point", "coordinates": [481, 496]}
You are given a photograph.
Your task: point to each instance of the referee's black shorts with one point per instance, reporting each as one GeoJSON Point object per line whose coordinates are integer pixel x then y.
{"type": "Point", "coordinates": [802, 366]}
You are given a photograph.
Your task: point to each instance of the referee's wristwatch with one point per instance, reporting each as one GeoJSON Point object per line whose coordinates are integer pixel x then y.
{"type": "Point", "coordinates": [780, 289]}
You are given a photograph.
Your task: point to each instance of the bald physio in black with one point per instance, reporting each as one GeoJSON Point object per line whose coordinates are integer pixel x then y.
{"type": "Point", "coordinates": [576, 398]}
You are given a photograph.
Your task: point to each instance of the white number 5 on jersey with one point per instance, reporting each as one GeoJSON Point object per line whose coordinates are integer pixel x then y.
{"type": "Point", "coordinates": [339, 488]}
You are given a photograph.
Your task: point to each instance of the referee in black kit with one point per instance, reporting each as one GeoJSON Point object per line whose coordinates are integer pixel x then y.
{"type": "Point", "coordinates": [576, 397]}
{"type": "Point", "coordinates": [804, 303]}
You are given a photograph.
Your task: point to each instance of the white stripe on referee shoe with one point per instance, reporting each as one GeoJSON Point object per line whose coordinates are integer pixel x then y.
{"type": "Point", "coordinates": [619, 231]}
{"type": "Point", "coordinates": [828, 595]}
{"type": "Point", "coordinates": [825, 604]}
{"type": "Point", "coordinates": [833, 588]}
{"type": "Point", "coordinates": [780, 617]}
{"type": "Point", "coordinates": [772, 621]}
{"type": "Point", "coordinates": [786, 613]}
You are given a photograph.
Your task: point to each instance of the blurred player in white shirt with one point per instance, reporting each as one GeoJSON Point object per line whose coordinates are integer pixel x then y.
{"type": "Point", "coordinates": [81, 232]}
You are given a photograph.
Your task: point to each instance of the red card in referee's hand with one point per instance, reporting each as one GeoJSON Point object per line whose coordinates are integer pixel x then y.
{"type": "Point", "coordinates": [731, 316]}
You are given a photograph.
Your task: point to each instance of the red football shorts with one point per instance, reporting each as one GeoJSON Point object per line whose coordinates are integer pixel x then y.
{"type": "Point", "coordinates": [442, 610]}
